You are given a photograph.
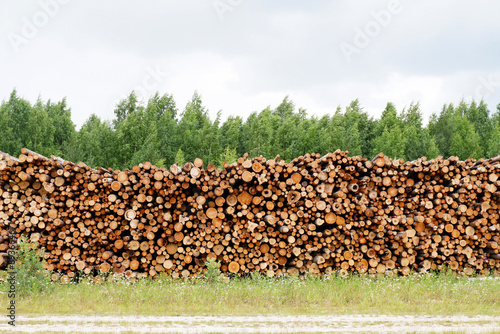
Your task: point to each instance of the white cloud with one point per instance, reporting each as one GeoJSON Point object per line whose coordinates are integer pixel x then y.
{"type": "Point", "coordinates": [95, 52]}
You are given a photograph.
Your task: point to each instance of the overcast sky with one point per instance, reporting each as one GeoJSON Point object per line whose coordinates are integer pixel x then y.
{"type": "Point", "coordinates": [244, 55]}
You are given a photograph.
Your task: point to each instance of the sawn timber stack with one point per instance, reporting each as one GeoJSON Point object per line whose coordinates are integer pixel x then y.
{"type": "Point", "coordinates": [312, 215]}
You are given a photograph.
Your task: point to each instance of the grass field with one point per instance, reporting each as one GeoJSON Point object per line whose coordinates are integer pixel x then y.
{"type": "Point", "coordinates": [418, 294]}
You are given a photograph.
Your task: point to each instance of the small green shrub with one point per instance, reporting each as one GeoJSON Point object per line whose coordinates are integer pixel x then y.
{"type": "Point", "coordinates": [213, 274]}
{"type": "Point", "coordinates": [31, 277]}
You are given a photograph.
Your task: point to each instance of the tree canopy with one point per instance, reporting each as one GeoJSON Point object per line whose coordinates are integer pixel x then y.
{"type": "Point", "coordinates": [158, 132]}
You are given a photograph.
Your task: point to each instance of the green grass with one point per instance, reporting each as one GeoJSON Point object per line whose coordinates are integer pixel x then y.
{"type": "Point", "coordinates": [443, 294]}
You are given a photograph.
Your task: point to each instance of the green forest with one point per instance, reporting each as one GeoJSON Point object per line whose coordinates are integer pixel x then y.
{"type": "Point", "coordinates": [157, 131]}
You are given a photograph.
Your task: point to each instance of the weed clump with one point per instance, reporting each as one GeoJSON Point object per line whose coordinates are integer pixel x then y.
{"type": "Point", "coordinates": [30, 275]}
{"type": "Point", "coordinates": [213, 273]}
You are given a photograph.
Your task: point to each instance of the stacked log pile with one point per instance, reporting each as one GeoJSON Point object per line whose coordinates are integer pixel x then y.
{"type": "Point", "coordinates": [312, 215]}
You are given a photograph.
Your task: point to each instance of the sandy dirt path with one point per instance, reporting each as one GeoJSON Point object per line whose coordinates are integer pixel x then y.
{"type": "Point", "coordinates": [257, 324]}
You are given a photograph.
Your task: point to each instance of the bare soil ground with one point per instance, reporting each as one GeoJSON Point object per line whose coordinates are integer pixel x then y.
{"type": "Point", "coordinates": [254, 324]}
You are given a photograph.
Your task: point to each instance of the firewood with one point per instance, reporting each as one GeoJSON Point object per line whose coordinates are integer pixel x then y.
{"type": "Point", "coordinates": [314, 214]}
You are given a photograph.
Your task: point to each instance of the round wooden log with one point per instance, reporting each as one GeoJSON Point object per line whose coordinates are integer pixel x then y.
{"type": "Point", "coordinates": [233, 267]}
